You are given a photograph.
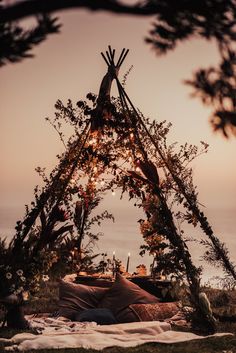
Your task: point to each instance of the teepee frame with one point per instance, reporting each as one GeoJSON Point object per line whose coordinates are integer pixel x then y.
{"type": "Point", "coordinates": [136, 126]}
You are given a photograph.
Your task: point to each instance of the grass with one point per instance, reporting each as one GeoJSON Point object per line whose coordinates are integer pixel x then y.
{"type": "Point", "coordinates": [224, 307]}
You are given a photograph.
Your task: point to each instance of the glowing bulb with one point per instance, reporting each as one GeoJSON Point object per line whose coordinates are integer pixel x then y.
{"type": "Point", "coordinates": [93, 141]}
{"type": "Point", "coordinates": [131, 135]}
{"type": "Point", "coordinates": [92, 179]}
{"type": "Point", "coordinates": [95, 169]}
{"type": "Point", "coordinates": [113, 193]}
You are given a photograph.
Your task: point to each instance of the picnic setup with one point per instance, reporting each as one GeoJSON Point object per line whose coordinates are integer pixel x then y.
{"type": "Point", "coordinates": [112, 149]}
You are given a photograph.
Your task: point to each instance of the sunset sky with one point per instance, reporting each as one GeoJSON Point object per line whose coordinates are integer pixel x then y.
{"type": "Point", "coordinates": [69, 65]}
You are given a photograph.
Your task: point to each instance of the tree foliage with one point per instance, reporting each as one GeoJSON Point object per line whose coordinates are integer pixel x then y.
{"type": "Point", "coordinates": [17, 43]}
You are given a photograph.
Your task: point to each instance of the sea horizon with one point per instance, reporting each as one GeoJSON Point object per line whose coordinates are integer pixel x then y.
{"type": "Point", "coordinates": [123, 236]}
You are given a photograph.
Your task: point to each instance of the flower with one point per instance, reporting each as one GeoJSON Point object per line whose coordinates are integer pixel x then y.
{"type": "Point", "coordinates": [145, 227]}
{"type": "Point", "coordinates": [8, 275]}
{"type": "Point", "coordinates": [19, 272]}
{"type": "Point", "coordinates": [45, 278]}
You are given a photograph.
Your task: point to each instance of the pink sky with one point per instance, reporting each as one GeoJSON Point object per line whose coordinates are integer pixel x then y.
{"type": "Point", "coordinates": [69, 65]}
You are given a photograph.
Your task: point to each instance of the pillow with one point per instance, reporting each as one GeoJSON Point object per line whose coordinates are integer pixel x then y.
{"type": "Point", "coordinates": [98, 315]}
{"type": "Point", "coordinates": [155, 312]}
{"type": "Point", "coordinates": [74, 298]}
{"type": "Point", "coordinates": [122, 294]}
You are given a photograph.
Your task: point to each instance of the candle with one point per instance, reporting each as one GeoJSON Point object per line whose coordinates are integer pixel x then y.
{"type": "Point", "coordinates": [127, 265]}
{"type": "Point", "coordinates": [103, 263]}
{"type": "Point", "coordinates": [114, 264]}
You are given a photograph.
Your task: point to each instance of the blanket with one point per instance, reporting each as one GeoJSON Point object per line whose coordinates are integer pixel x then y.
{"type": "Point", "coordinates": [62, 333]}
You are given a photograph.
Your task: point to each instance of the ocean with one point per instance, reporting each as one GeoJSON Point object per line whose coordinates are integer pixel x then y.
{"type": "Point", "coordinates": [123, 236]}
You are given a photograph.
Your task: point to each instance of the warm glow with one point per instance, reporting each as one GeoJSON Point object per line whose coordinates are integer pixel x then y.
{"type": "Point", "coordinates": [155, 86]}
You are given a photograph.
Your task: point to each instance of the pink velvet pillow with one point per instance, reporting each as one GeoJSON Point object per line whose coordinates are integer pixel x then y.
{"type": "Point", "coordinates": [122, 294]}
{"type": "Point", "coordinates": [155, 312]}
{"type": "Point", "coordinates": [74, 298]}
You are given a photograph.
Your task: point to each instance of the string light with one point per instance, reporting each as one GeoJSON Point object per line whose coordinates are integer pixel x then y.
{"type": "Point", "coordinates": [93, 141]}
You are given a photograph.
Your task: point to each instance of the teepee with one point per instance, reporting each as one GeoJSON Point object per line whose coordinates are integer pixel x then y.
{"type": "Point", "coordinates": [113, 130]}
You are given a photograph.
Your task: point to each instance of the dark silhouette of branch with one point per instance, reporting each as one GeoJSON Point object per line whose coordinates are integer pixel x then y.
{"type": "Point", "coordinates": [180, 20]}
{"type": "Point", "coordinates": [217, 87]}
{"type": "Point", "coordinates": [16, 42]}
{"type": "Point", "coordinates": [29, 8]}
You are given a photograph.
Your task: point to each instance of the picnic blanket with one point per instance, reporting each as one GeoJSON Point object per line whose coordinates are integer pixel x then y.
{"type": "Point", "coordinates": [62, 333]}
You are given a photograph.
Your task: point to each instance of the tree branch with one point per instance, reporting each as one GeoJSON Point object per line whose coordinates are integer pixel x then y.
{"type": "Point", "coordinates": [28, 8]}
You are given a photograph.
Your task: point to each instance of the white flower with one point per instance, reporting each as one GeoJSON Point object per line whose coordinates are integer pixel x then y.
{"type": "Point", "coordinates": [19, 272]}
{"type": "Point", "coordinates": [70, 278]}
{"type": "Point", "coordinates": [45, 278]}
{"type": "Point", "coordinates": [8, 275]}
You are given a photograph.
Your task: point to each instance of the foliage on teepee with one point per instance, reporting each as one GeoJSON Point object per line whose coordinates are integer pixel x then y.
{"type": "Point", "coordinates": [114, 147]}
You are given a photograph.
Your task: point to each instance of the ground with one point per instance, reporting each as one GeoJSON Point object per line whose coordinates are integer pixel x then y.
{"type": "Point", "coordinates": [224, 307]}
